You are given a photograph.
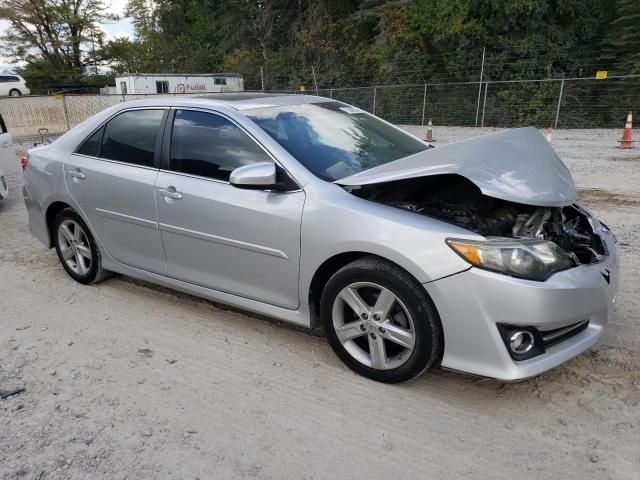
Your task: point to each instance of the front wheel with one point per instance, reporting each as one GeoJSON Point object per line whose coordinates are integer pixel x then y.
{"type": "Point", "coordinates": [380, 321]}
{"type": "Point", "coordinates": [76, 248]}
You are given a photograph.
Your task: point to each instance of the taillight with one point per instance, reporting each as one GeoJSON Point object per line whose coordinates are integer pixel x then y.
{"type": "Point", "coordinates": [23, 162]}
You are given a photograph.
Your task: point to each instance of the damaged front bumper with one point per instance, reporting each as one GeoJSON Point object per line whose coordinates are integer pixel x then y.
{"type": "Point", "coordinates": [473, 303]}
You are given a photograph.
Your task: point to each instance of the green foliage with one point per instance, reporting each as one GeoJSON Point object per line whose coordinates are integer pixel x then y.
{"type": "Point", "coordinates": [54, 36]}
{"type": "Point", "coordinates": [351, 43]}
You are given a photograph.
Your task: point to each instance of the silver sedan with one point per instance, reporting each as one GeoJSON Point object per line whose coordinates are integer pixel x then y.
{"type": "Point", "coordinates": [473, 255]}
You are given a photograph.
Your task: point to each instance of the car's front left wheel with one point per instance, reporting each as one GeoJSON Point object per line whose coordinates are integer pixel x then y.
{"type": "Point", "coordinates": [77, 249]}
{"type": "Point", "coordinates": [380, 321]}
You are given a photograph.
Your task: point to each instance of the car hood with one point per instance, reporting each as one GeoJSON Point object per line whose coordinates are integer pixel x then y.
{"type": "Point", "coordinates": [516, 165]}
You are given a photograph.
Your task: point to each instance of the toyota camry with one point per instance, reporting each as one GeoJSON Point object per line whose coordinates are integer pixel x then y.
{"type": "Point", "coordinates": [474, 255]}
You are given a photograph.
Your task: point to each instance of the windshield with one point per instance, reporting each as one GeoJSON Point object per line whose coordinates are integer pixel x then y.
{"type": "Point", "coordinates": [334, 140]}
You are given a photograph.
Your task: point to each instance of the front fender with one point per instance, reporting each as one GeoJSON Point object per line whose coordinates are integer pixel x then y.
{"type": "Point", "coordinates": [336, 222]}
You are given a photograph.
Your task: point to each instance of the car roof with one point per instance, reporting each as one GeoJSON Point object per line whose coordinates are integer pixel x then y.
{"type": "Point", "coordinates": [237, 100]}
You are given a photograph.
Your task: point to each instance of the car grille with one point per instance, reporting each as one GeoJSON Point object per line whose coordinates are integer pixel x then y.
{"type": "Point", "coordinates": [552, 337]}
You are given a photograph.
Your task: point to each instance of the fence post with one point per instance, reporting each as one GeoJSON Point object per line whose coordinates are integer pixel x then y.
{"type": "Point", "coordinates": [375, 92]}
{"type": "Point", "coordinates": [262, 78]}
{"type": "Point", "coordinates": [555, 125]}
{"type": "Point", "coordinates": [315, 81]}
{"type": "Point", "coordinates": [484, 103]}
{"type": "Point", "coordinates": [331, 93]}
{"type": "Point", "coordinates": [66, 113]}
{"type": "Point", "coordinates": [424, 102]}
{"type": "Point", "coordinates": [480, 85]}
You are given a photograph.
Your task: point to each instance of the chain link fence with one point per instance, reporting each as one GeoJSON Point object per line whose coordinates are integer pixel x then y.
{"type": "Point", "coordinates": [558, 103]}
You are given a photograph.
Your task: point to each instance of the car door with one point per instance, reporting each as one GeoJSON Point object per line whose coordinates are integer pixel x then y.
{"type": "Point", "coordinates": [244, 242]}
{"type": "Point", "coordinates": [111, 177]}
{"type": "Point", "coordinates": [8, 160]}
{"type": "Point", "coordinates": [4, 90]}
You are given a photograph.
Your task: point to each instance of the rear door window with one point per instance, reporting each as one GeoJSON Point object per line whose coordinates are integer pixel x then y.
{"type": "Point", "coordinates": [131, 137]}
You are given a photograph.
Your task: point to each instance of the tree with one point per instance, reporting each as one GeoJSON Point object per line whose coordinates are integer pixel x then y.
{"type": "Point", "coordinates": [58, 34]}
{"type": "Point", "coordinates": [621, 45]}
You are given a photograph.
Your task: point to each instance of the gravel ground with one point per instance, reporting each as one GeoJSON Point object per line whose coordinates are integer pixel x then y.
{"type": "Point", "coordinates": [127, 380]}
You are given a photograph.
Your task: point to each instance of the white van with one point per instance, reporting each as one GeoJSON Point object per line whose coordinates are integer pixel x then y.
{"type": "Point", "coordinates": [13, 85]}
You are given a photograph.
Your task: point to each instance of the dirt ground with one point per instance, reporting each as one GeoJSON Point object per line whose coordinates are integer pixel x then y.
{"type": "Point", "coordinates": [126, 380]}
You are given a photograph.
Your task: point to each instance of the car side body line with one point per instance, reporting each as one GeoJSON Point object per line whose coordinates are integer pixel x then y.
{"type": "Point", "coordinates": [224, 241]}
{"type": "Point", "coordinates": [127, 218]}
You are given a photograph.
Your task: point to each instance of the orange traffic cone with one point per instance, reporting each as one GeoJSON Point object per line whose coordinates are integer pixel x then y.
{"type": "Point", "coordinates": [626, 136]}
{"type": "Point", "coordinates": [549, 134]}
{"type": "Point", "coordinates": [429, 137]}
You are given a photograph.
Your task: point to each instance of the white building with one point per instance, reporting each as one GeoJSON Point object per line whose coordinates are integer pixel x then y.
{"type": "Point", "coordinates": [170, 83]}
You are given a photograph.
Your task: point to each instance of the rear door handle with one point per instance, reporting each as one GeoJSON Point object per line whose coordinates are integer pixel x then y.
{"type": "Point", "coordinates": [76, 174]}
{"type": "Point", "coordinates": [170, 192]}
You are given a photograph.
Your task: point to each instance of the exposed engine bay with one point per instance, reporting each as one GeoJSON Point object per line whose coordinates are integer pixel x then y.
{"type": "Point", "coordinates": [456, 200]}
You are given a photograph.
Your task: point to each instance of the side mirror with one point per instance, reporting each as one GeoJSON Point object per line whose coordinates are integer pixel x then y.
{"type": "Point", "coordinates": [256, 176]}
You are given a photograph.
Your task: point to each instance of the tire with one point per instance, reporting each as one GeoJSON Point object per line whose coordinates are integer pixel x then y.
{"type": "Point", "coordinates": [77, 250]}
{"type": "Point", "coordinates": [14, 92]}
{"type": "Point", "coordinates": [411, 314]}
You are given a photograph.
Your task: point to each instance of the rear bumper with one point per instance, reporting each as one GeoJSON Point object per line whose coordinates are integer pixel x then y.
{"type": "Point", "coordinates": [37, 218]}
{"type": "Point", "coordinates": [472, 303]}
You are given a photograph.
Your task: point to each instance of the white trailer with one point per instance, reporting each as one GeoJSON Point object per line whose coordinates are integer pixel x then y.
{"type": "Point", "coordinates": [171, 83]}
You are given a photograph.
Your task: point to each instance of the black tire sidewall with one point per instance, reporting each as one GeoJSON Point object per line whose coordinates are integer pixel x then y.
{"type": "Point", "coordinates": [411, 294]}
{"type": "Point", "coordinates": [90, 276]}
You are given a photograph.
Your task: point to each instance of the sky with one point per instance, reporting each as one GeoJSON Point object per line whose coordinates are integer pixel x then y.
{"type": "Point", "coordinates": [121, 28]}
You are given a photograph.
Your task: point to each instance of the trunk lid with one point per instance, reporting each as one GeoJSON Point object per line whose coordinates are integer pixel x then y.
{"type": "Point", "coordinates": [516, 165]}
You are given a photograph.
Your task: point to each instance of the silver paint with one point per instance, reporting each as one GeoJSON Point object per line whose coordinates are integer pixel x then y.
{"type": "Point", "coordinates": [259, 250]}
{"type": "Point", "coordinates": [261, 173]}
{"type": "Point", "coordinates": [515, 165]}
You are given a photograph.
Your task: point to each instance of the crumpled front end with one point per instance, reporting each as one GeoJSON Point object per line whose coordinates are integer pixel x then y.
{"type": "Point", "coordinates": [543, 277]}
{"type": "Point", "coordinates": [514, 319]}
{"type": "Point", "coordinates": [565, 315]}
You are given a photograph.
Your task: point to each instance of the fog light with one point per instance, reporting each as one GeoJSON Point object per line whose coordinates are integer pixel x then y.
{"type": "Point", "coordinates": [521, 342]}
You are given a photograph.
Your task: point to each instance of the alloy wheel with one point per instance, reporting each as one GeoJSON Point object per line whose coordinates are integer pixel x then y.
{"type": "Point", "coordinates": [74, 247]}
{"type": "Point", "coordinates": [373, 325]}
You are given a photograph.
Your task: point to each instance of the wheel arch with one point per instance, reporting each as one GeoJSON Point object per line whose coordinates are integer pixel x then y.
{"type": "Point", "coordinates": [52, 210]}
{"type": "Point", "coordinates": [330, 266]}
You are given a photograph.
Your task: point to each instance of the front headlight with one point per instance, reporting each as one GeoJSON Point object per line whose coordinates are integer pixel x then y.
{"type": "Point", "coordinates": [607, 230]}
{"type": "Point", "coordinates": [530, 259]}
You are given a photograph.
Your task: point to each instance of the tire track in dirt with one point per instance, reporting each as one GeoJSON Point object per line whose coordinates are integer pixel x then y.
{"type": "Point", "coordinates": [157, 384]}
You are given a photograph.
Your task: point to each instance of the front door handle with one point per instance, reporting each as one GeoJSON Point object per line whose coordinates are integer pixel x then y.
{"type": "Point", "coordinates": [170, 192]}
{"type": "Point", "coordinates": [76, 174]}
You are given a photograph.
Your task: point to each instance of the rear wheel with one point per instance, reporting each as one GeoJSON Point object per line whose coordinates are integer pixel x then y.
{"type": "Point", "coordinates": [14, 92]}
{"type": "Point", "coordinates": [380, 321]}
{"type": "Point", "coordinates": [76, 248]}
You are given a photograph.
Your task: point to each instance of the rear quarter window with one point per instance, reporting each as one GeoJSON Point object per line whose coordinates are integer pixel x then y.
{"type": "Point", "coordinates": [91, 145]}
{"type": "Point", "coordinates": [131, 137]}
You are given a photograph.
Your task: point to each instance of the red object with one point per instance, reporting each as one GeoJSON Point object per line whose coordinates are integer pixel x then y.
{"type": "Point", "coordinates": [23, 162]}
{"type": "Point", "coordinates": [626, 141]}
